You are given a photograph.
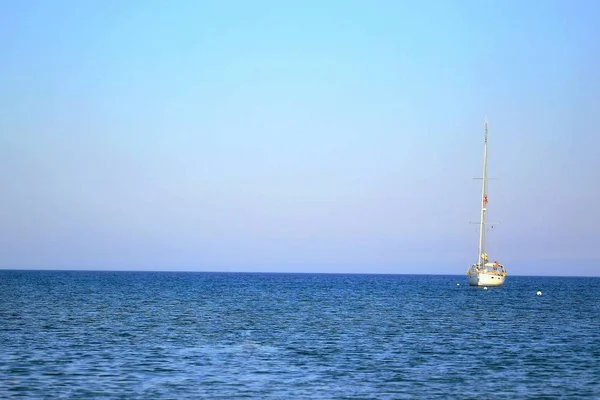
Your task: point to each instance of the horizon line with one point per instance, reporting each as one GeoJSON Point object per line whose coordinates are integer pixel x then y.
{"type": "Point", "coordinates": [271, 272]}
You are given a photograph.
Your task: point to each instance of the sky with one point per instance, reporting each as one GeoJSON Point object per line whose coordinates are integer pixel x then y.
{"type": "Point", "coordinates": [312, 136]}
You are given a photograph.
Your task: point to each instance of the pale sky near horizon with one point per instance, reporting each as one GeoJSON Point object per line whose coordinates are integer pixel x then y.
{"type": "Point", "coordinates": [314, 136]}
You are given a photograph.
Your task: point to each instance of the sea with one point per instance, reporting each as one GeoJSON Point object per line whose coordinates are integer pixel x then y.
{"type": "Point", "coordinates": [196, 335]}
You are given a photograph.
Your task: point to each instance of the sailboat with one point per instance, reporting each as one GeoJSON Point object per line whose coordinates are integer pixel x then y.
{"type": "Point", "coordinates": [484, 272]}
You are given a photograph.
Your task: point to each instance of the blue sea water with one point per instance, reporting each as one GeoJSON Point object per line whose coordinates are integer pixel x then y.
{"type": "Point", "coordinates": [160, 335]}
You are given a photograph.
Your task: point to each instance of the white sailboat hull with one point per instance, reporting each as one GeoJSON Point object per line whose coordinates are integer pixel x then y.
{"type": "Point", "coordinates": [485, 279]}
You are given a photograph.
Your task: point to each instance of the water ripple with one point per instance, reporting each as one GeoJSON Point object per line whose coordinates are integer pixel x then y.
{"type": "Point", "coordinates": [272, 336]}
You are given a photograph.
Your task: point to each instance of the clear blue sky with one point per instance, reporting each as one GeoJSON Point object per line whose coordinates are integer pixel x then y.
{"type": "Point", "coordinates": [330, 136]}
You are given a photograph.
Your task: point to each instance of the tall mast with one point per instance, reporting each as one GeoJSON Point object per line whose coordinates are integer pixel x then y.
{"type": "Point", "coordinates": [483, 200]}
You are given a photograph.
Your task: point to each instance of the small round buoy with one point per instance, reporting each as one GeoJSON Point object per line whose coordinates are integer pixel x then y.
{"type": "Point", "coordinates": [485, 288]}
{"type": "Point", "coordinates": [539, 293]}
{"type": "Point", "coordinates": [458, 284]}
